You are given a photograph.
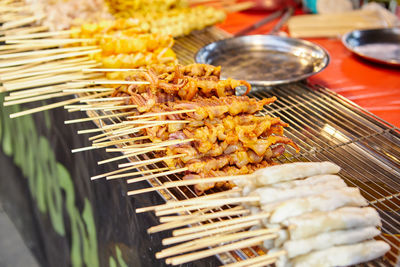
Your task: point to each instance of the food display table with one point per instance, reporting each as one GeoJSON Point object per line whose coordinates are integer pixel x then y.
{"type": "Point", "coordinates": [66, 219]}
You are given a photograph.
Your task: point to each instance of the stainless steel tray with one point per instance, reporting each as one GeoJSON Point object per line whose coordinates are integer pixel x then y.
{"type": "Point", "coordinates": [265, 59]}
{"type": "Point", "coordinates": [378, 45]}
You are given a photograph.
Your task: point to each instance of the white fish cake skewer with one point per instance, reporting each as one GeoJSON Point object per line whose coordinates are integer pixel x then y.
{"type": "Point", "coordinates": [311, 224]}
{"type": "Point", "coordinates": [313, 180]}
{"type": "Point", "coordinates": [290, 171]}
{"type": "Point", "coordinates": [342, 255]}
{"type": "Point", "coordinates": [295, 248]}
{"type": "Point", "coordinates": [326, 201]}
{"type": "Point", "coordinates": [271, 195]}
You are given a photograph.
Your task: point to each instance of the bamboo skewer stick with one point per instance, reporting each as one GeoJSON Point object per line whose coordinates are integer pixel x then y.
{"type": "Point", "coordinates": [119, 141]}
{"type": "Point", "coordinates": [187, 220]}
{"type": "Point", "coordinates": [119, 125]}
{"type": "Point", "coordinates": [167, 185]}
{"type": "Point", "coordinates": [101, 106]}
{"type": "Point", "coordinates": [123, 131]}
{"type": "Point", "coordinates": [49, 71]}
{"type": "Point", "coordinates": [264, 259]}
{"type": "Point", "coordinates": [54, 105]}
{"type": "Point", "coordinates": [36, 98]}
{"type": "Point", "coordinates": [97, 138]}
{"type": "Point", "coordinates": [150, 161]}
{"type": "Point", "coordinates": [208, 180]}
{"type": "Point", "coordinates": [11, 63]}
{"type": "Point", "coordinates": [50, 89]}
{"type": "Point", "coordinates": [105, 99]}
{"type": "Point", "coordinates": [225, 229]}
{"type": "Point", "coordinates": [266, 262]}
{"type": "Point", "coordinates": [81, 149]}
{"type": "Point", "coordinates": [205, 227]}
{"type": "Point", "coordinates": [132, 174]}
{"type": "Point", "coordinates": [95, 106]}
{"type": "Point", "coordinates": [54, 41]}
{"type": "Point", "coordinates": [90, 89]}
{"type": "Point", "coordinates": [129, 155]}
{"type": "Point", "coordinates": [47, 51]}
{"type": "Point", "coordinates": [152, 122]}
{"type": "Point", "coordinates": [38, 66]}
{"type": "Point", "coordinates": [46, 80]}
{"type": "Point", "coordinates": [105, 144]}
{"type": "Point", "coordinates": [93, 82]}
{"type": "Point", "coordinates": [118, 171]}
{"type": "Point", "coordinates": [168, 219]}
{"type": "Point", "coordinates": [144, 178]}
{"type": "Point", "coordinates": [208, 241]}
{"type": "Point", "coordinates": [34, 92]}
{"type": "Point", "coordinates": [97, 118]}
{"type": "Point", "coordinates": [120, 107]}
{"type": "Point", "coordinates": [37, 35]}
{"type": "Point", "coordinates": [208, 204]}
{"type": "Point", "coordinates": [17, 69]}
{"type": "Point", "coordinates": [171, 204]}
{"type": "Point", "coordinates": [162, 113]}
{"type": "Point", "coordinates": [26, 30]}
{"type": "Point", "coordinates": [173, 225]}
{"type": "Point", "coordinates": [150, 145]}
{"type": "Point", "coordinates": [138, 173]}
{"type": "Point", "coordinates": [98, 130]}
{"type": "Point", "coordinates": [21, 22]}
{"type": "Point", "coordinates": [216, 250]}
{"type": "Point", "coordinates": [113, 172]}
{"type": "Point", "coordinates": [111, 70]}
{"type": "Point", "coordinates": [160, 144]}
{"type": "Point", "coordinates": [193, 201]}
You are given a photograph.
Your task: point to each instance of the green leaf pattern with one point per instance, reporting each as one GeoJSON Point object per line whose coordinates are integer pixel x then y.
{"type": "Point", "coordinates": [47, 181]}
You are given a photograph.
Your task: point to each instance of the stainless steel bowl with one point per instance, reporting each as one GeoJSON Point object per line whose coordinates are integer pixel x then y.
{"type": "Point", "coordinates": [265, 59]}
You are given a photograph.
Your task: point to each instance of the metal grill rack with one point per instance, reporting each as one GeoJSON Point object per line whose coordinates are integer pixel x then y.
{"type": "Point", "coordinates": [327, 127]}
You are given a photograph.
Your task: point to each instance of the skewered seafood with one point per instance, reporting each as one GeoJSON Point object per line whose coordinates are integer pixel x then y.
{"type": "Point", "coordinates": [311, 224]}
{"type": "Point", "coordinates": [177, 21]}
{"type": "Point", "coordinates": [287, 172]}
{"type": "Point", "coordinates": [335, 232]}
{"type": "Point", "coordinates": [329, 239]}
{"type": "Point", "coordinates": [63, 14]}
{"type": "Point", "coordinates": [137, 59]}
{"type": "Point", "coordinates": [183, 87]}
{"type": "Point", "coordinates": [127, 44]}
{"type": "Point", "coordinates": [328, 200]}
{"type": "Point", "coordinates": [121, 6]}
{"type": "Point", "coordinates": [173, 72]}
{"type": "Point", "coordinates": [341, 255]}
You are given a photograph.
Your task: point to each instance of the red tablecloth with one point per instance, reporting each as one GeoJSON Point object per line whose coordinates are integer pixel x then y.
{"type": "Point", "coordinates": [372, 86]}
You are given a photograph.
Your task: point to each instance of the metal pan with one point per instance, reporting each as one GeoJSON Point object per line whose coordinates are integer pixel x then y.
{"type": "Point", "coordinates": [265, 59]}
{"type": "Point", "coordinates": [378, 45]}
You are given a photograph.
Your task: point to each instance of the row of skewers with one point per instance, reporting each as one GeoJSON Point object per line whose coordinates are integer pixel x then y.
{"type": "Point", "coordinates": [192, 121]}
{"type": "Point", "coordinates": [164, 17]}
{"type": "Point", "coordinates": [302, 213]}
